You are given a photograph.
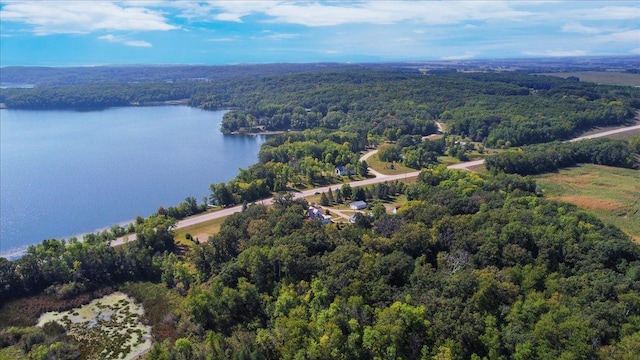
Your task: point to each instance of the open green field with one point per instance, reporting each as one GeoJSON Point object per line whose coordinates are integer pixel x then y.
{"type": "Point", "coordinates": [200, 231]}
{"type": "Point", "coordinates": [602, 77]}
{"type": "Point", "coordinates": [612, 194]}
{"type": "Point", "coordinates": [386, 168]}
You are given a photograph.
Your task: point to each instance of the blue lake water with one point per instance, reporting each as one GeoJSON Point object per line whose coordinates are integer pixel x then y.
{"type": "Point", "coordinates": [64, 173]}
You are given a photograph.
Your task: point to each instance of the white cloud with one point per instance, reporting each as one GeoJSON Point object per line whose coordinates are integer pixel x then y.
{"type": "Point", "coordinates": [607, 13]}
{"type": "Point", "coordinates": [635, 51]}
{"type": "Point", "coordinates": [557, 53]}
{"type": "Point", "coordinates": [55, 17]}
{"type": "Point", "coordinates": [576, 27]}
{"type": "Point", "coordinates": [137, 43]}
{"type": "Point", "coordinates": [363, 12]}
{"type": "Point", "coordinates": [229, 17]}
{"type": "Point", "coordinates": [631, 36]}
{"type": "Point", "coordinates": [116, 39]}
{"type": "Point", "coordinates": [465, 56]}
{"type": "Point", "coordinates": [282, 36]}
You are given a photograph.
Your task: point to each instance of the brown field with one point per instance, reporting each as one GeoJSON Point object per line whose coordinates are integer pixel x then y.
{"type": "Point", "coordinates": [592, 203]}
{"type": "Point", "coordinates": [602, 77]}
{"type": "Point", "coordinates": [612, 194]}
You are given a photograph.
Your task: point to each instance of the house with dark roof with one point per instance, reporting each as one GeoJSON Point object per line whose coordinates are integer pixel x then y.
{"type": "Point", "coordinates": [342, 171]}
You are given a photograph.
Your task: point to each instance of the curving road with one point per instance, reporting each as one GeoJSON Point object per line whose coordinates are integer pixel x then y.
{"type": "Point", "coordinates": [197, 219]}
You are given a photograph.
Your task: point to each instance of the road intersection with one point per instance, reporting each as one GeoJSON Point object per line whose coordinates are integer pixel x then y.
{"type": "Point", "coordinates": [379, 177]}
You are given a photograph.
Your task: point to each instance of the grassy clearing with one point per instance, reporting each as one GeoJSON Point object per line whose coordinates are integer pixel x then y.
{"type": "Point", "coordinates": [384, 167]}
{"type": "Point", "coordinates": [201, 231]}
{"type": "Point", "coordinates": [612, 194]}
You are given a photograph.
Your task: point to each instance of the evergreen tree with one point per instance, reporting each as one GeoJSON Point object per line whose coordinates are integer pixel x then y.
{"type": "Point", "coordinates": [363, 168]}
{"type": "Point", "coordinates": [347, 191]}
{"type": "Point", "coordinates": [324, 201]}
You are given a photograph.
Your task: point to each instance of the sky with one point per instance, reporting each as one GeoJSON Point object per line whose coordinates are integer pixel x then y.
{"type": "Point", "coordinates": [88, 33]}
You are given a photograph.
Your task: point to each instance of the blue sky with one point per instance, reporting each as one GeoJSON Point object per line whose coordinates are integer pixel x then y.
{"type": "Point", "coordinates": [69, 33]}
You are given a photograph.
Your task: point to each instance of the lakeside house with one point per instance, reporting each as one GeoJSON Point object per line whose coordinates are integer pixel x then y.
{"type": "Point", "coordinates": [342, 171]}
{"type": "Point", "coordinates": [315, 212]}
{"type": "Point", "coordinates": [358, 205]}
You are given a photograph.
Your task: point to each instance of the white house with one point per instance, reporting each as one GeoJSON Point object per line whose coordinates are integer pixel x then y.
{"type": "Point", "coordinates": [315, 212]}
{"type": "Point", "coordinates": [358, 205]}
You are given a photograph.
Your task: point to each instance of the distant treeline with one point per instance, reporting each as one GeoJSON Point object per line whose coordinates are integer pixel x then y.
{"type": "Point", "coordinates": [499, 109]}
{"type": "Point", "coordinates": [60, 76]}
{"type": "Point", "coordinates": [538, 159]}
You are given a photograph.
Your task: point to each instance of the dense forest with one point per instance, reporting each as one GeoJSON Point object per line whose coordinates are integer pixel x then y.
{"type": "Point", "coordinates": [542, 158]}
{"type": "Point", "coordinates": [474, 266]}
{"type": "Point", "coordinates": [60, 76]}
{"type": "Point", "coordinates": [498, 109]}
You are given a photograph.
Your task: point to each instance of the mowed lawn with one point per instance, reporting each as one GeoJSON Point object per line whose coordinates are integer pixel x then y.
{"type": "Point", "coordinates": [612, 194]}
{"type": "Point", "coordinates": [200, 231]}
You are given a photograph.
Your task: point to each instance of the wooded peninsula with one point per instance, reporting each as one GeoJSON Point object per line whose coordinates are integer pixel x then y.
{"type": "Point", "coordinates": [472, 265]}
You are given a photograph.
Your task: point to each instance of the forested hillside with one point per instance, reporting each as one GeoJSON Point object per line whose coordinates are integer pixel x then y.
{"type": "Point", "coordinates": [472, 267]}
{"type": "Point", "coordinates": [499, 109]}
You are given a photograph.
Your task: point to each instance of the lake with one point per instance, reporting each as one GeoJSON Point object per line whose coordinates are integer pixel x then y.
{"type": "Point", "coordinates": [65, 173]}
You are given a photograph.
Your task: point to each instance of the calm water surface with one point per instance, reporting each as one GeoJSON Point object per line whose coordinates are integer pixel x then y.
{"type": "Point", "coordinates": [64, 173]}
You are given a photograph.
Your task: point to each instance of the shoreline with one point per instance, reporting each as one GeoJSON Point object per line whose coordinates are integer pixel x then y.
{"type": "Point", "coordinates": [21, 228]}
{"type": "Point", "coordinates": [17, 252]}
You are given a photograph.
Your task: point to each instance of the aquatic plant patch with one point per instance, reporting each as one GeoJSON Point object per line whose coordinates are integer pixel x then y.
{"type": "Point", "coordinates": [107, 328]}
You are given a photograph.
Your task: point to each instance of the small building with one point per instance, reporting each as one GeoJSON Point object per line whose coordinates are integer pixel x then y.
{"type": "Point", "coordinates": [342, 171]}
{"type": "Point", "coordinates": [315, 212]}
{"type": "Point", "coordinates": [358, 205]}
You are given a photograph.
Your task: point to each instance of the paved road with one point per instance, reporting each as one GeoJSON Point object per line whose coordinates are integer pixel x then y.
{"type": "Point", "coordinates": [607, 133]}
{"type": "Point", "coordinates": [197, 219]}
{"type": "Point", "coordinates": [368, 155]}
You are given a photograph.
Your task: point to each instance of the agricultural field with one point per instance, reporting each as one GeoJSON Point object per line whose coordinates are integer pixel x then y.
{"type": "Point", "coordinates": [612, 194]}
{"type": "Point", "coordinates": [602, 77]}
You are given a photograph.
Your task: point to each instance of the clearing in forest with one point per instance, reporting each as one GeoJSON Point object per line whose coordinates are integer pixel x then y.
{"type": "Point", "coordinates": [612, 194]}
